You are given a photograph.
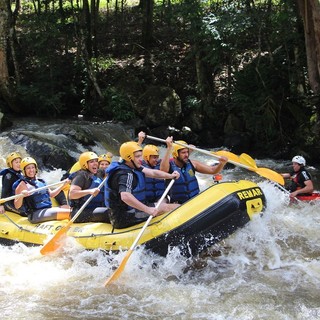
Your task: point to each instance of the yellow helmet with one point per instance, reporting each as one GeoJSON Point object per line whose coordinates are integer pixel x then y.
{"type": "Point", "coordinates": [26, 161]}
{"type": "Point", "coordinates": [128, 149]}
{"type": "Point", "coordinates": [177, 147]}
{"type": "Point", "coordinates": [150, 150]}
{"type": "Point", "coordinates": [105, 157]}
{"type": "Point", "coordinates": [85, 157]}
{"type": "Point", "coordinates": [11, 157]}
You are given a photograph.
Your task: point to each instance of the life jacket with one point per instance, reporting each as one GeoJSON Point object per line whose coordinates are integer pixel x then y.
{"type": "Point", "coordinates": [95, 202]}
{"type": "Point", "coordinates": [139, 191]}
{"type": "Point", "coordinates": [37, 200]}
{"type": "Point", "coordinates": [297, 182]}
{"type": "Point", "coordinates": [10, 176]}
{"type": "Point", "coordinates": [16, 174]}
{"type": "Point", "coordinates": [186, 186]}
{"type": "Point", "coordinates": [6, 170]}
{"type": "Point", "coordinates": [154, 187]}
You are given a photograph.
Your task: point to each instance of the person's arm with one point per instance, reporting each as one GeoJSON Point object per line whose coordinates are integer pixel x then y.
{"type": "Point", "coordinates": [164, 164]}
{"type": "Point", "coordinates": [286, 175]}
{"type": "Point", "coordinates": [308, 188]}
{"type": "Point", "coordinates": [133, 202]}
{"type": "Point", "coordinates": [21, 189]}
{"type": "Point", "coordinates": [6, 186]}
{"type": "Point", "coordinates": [204, 168]}
{"type": "Point", "coordinates": [158, 174]}
{"type": "Point", "coordinates": [77, 191]}
{"type": "Point", "coordinates": [123, 184]}
{"type": "Point", "coordinates": [56, 191]}
{"type": "Point", "coordinates": [141, 137]}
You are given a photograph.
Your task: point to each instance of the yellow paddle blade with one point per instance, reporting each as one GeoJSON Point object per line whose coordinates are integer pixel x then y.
{"type": "Point", "coordinates": [76, 167]}
{"type": "Point", "coordinates": [228, 154]}
{"type": "Point", "coordinates": [55, 242]}
{"type": "Point", "coordinates": [247, 162]}
{"type": "Point", "coordinates": [269, 174]}
{"type": "Point", "coordinates": [119, 270]}
{"type": "Point", "coordinates": [246, 159]}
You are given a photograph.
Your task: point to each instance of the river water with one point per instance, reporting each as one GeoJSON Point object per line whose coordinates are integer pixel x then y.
{"type": "Point", "coordinates": [270, 269]}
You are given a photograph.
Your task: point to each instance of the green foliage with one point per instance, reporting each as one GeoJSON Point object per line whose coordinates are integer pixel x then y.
{"type": "Point", "coordinates": [192, 103]}
{"type": "Point", "coordinates": [118, 104]}
{"type": "Point", "coordinates": [37, 101]}
{"type": "Point", "coordinates": [251, 53]}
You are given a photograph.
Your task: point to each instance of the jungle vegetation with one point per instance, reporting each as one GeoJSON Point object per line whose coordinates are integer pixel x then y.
{"type": "Point", "coordinates": [248, 67]}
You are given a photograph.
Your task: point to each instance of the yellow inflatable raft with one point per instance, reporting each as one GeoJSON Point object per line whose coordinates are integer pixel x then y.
{"type": "Point", "coordinates": [206, 219]}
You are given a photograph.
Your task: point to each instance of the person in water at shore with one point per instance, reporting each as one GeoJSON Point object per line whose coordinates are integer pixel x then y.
{"type": "Point", "coordinates": [187, 186]}
{"type": "Point", "coordinates": [10, 175]}
{"type": "Point", "coordinates": [301, 181]}
{"type": "Point", "coordinates": [126, 188]}
{"type": "Point", "coordinates": [37, 205]}
{"type": "Point", "coordinates": [85, 184]}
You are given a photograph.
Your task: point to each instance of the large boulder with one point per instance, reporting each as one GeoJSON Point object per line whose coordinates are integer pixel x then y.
{"type": "Point", "coordinates": [47, 153]}
{"type": "Point", "coordinates": [159, 106]}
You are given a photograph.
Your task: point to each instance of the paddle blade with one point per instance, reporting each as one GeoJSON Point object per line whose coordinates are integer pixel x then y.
{"type": "Point", "coordinates": [246, 159]}
{"type": "Point", "coordinates": [228, 154]}
{"type": "Point", "coordinates": [120, 269]}
{"type": "Point", "coordinates": [55, 242]}
{"type": "Point", "coordinates": [269, 174]}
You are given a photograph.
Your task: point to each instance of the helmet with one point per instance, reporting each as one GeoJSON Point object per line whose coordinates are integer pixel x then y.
{"type": "Point", "coordinates": [105, 157]}
{"type": "Point", "coordinates": [299, 159]}
{"type": "Point", "coordinates": [11, 157]}
{"type": "Point", "coordinates": [85, 157]}
{"type": "Point", "coordinates": [177, 147]}
{"type": "Point", "coordinates": [150, 150]}
{"type": "Point", "coordinates": [127, 150]}
{"type": "Point", "coordinates": [26, 161]}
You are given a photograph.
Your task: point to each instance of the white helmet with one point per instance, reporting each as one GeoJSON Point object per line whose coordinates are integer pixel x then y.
{"type": "Point", "coordinates": [299, 159]}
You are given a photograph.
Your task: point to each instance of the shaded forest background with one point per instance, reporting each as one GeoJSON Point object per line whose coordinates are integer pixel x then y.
{"type": "Point", "coordinates": [241, 74]}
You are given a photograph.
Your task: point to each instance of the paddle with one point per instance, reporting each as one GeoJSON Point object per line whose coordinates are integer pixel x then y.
{"type": "Point", "coordinates": [264, 172]}
{"type": "Point", "coordinates": [31, 191]}
{"type": "Point", "coordinates": [123, 263]}
{"type": "Point", "coordinates": [249, 160]}
{"type": "Point", "coordinates": [55, 241]}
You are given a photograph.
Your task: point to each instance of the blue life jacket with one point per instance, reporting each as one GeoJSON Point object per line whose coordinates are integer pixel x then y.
{"type": "Point", "coordinates": [139, 191]}
{"type": "Point", "coordinates": [186, 187]}
{"type": "Point", "coordinates": [6, 170]}
{"type": "Point", "coordinates": [154, 187]}
{"type": "Point", "coordinates": [17, 174]}
{"type": "Point", "coordinates": [37, 200]}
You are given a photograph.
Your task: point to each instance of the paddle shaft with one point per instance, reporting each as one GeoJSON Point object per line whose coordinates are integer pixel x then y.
{"type": "Point", "coordinates": [123, 263]}
{"type": "Point", "coordinates": [149, 219]}
{"type": "Point", "coordinates": [31, 191]}
{"type": "Point", "coordinates": [202, 151]}
{"type": "Point", "coordinates": [52, 245]}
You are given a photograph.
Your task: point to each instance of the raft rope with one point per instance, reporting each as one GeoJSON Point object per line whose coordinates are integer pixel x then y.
{"type": "Point", "coordinates": [22, 228]}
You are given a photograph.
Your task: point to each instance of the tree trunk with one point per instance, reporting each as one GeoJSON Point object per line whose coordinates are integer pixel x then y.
{"type": "Point", "coordinates": [310, 13]}
{"type": "Point", "coordinates": [147, 23]}
{"type": "Point", "coordinates": [5, 88]}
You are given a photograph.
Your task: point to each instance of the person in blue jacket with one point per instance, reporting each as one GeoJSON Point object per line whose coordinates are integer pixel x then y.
{"type": "Point", "coordinates": [10, 175]}
{"type": "Point", "coordinates": [186, 187]}
{"type": "Point", "coordinates": [126, 188]}
{"type": "Point", "coordinates": [37, 205]}
{"type": "Point", "coordinates": [85, 184]}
